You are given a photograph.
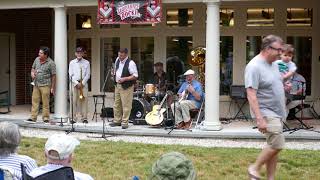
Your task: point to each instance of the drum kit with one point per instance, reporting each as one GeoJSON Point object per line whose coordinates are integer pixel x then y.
{"type": "Point", "coordinates": [144, 98]}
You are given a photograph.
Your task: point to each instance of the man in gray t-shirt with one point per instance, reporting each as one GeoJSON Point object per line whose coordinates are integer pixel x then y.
{"type": "Point", "coordinates": [266, 97]}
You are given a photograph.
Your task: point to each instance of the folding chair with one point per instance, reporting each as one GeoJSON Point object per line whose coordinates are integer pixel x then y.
{"type": "Point", "coordinates": [64, 173]}
{"type": "Point", "coordinates": [197, 114]}
{"type": "Point", "coordinates": [5, 174]}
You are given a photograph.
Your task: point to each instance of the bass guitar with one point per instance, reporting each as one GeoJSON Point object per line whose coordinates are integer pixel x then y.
{"type": "Point", "coordinates": [155, 117]}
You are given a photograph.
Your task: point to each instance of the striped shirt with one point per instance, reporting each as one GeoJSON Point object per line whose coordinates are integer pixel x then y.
{"type": "Point", "coordinates": [12, 163]}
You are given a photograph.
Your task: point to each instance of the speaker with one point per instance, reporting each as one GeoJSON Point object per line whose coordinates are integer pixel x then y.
{"type": "Point", "coordinates": [238, 91]}
{"type": "Point", "coordinates": [107, 112]}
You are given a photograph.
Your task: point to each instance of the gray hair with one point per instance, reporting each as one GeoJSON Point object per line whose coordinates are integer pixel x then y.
{"type": "Point", "coordinates": [268, 40]}
{"type": "Point", "coordinates": [10, 138]}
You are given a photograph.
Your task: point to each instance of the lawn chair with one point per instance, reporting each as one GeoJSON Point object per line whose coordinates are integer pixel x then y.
{"type": "Point", "coordinates": [5, 174]}
{"type": "Point", "coordinates": [5, 101]}
{"type": "Point", "coordinates": [64, 173]}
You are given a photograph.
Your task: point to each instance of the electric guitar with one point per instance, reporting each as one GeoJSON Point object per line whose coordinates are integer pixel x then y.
{"type": "Point", "coordinates": [155, 117]}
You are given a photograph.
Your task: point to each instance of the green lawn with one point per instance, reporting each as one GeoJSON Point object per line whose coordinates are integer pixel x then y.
{"type": "Point", "coordinates": [120, 160]}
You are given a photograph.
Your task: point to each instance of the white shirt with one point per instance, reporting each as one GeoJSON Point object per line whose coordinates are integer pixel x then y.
{"type": "Point", "coordinates": [75, 67]}
{"type": "Point", "coordinates": [132, 68]}
{"type": "Point", "coordinates": [51, 167]}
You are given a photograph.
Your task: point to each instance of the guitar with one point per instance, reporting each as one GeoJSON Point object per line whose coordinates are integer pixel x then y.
{"type": "Point", "coordinates": [155, 117]}
{"type": "Point", "coordinates": [185, 93]}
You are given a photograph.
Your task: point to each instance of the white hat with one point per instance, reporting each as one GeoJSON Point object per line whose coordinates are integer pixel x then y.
{"type": "Point", "coordinates": [64, 145]}
{"type": "Point", "coordinates": [189, 72]}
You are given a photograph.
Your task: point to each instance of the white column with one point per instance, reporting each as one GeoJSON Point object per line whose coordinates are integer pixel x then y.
{"type": "Point", "coordinates": [212, 76]}
{"type": "Point", "coordinates": [60, 58]}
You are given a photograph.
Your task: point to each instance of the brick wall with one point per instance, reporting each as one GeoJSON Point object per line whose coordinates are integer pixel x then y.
{"type": "Point", "coordinates": [32, 29]}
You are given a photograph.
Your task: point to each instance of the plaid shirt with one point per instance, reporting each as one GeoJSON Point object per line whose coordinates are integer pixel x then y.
{"type": "Point", "coordinates": [44, 71]}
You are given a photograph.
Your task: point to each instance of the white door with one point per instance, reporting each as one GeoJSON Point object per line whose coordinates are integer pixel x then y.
{"type": "Point", "coordinates": [4, 63]}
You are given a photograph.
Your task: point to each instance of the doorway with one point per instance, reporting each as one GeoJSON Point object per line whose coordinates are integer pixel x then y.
{"type": "Point", "coordinates": [7, 67]}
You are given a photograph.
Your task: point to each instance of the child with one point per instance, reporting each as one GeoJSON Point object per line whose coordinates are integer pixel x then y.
{"type": "Point", "coordinates": [286, 66]}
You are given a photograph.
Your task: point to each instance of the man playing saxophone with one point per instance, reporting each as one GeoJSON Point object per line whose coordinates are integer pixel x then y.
{"type": "Point", "coordinates": [79, 74]}
{"type": "Point", "coordinates": [190, 97]}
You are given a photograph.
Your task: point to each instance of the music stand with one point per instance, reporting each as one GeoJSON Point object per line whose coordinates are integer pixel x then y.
{"type": "Point", "coordinates": [72, 121]}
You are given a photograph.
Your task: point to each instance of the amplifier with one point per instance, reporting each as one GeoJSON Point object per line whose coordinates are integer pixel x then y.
{"type": "Point", "coordinates": [238, 91]}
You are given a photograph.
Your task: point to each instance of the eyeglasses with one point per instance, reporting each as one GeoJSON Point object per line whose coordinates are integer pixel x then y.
{"type": "Point", "coordinates": [277, 49]}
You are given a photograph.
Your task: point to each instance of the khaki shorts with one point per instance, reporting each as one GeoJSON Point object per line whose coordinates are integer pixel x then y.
{"type": "Point", "coordinates": [274, 135]}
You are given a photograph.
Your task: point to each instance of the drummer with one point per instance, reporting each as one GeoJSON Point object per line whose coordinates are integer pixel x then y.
{"type": "Point", "coordinates": [159, 78]}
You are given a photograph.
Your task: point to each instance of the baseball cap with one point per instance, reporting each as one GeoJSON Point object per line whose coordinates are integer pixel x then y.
{"type": "Point", "coordinates": [79, 49]}
{"type": "Point", "coordinates": [172, 166]}
{"type": "Point", "coordinates": [189, 72]}
{"type": "Point", "coordinates": [64, 146]}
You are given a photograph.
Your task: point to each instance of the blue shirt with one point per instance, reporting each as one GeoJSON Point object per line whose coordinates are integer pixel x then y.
{"type": "Point", "coordinates": [197, 87]}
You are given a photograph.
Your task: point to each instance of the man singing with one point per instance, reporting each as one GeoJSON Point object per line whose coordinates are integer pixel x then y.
{"type": "Point", "coordinates": [79, 73]}
{"type": "Point", "coordinates": [126, 74]}
{"type": "Point", "coordinates": [190, 97]}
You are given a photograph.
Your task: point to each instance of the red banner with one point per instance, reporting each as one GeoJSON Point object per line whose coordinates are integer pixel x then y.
{"type": "Point", "coordinates": [129, 11]}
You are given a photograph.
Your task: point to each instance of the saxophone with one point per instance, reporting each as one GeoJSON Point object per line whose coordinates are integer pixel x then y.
{"type": "Point", "coordinates": [81, 97]}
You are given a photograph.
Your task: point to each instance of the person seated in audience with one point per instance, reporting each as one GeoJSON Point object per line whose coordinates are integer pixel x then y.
{"type": "Point", "coordinates": [10, 139]}
{"type": "Point", "coordinates": [172, 166]}
{"type": "Point", "coordinates": [298, 87]}
{"type": "Point", "coordinates": [58, 151]}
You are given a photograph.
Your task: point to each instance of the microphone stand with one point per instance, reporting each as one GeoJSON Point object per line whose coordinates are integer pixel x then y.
{"type": "Point", "coordinates": [174, 104]}
{"type": "Point", "coordinates": [71, 107]}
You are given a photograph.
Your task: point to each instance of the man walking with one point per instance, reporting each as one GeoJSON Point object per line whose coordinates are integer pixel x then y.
{"type": "Point", "coordinates": [43, 74]}
{"type": "Point", "coordinates": [266, 97]}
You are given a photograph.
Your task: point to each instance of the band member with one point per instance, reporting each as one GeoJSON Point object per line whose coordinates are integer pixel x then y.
{"type": "Point", "coordinates": [190, 97]}
{"type": "Point", "coordinates": [79, 74]}
{"type": "Point", "coordinates": [266, 96]}
{"type": "Point", "coordinates": [298, 87]}
{"type": "Point", "coordinates": [159, 77]}
{"type": "Point", "coordinates": [43, 74]}
{"type": "Point", "coordinates": [126, 74]}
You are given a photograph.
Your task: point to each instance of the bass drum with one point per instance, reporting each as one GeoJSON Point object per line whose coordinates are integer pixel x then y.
{"type": "Point", "coordinates": [140, 107]}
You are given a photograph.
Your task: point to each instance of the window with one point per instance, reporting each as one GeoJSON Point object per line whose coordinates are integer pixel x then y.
{"type": "Point", "coordinates": [85, 43]}
{"type": "Point", "coordinates": [226, 64]}
{"type": "Point", "coordinates": [299, 17]}
{"type": "Point", "coordinates": [260, 17]}
{"type": "Point", "coordinates": [142, 52]}
{"type": "Point", "coordinates": [253, 47]}
{"type": "Point", "coordinates": [302, 57]}
{"type": "Point", "coordinates": [226, 17]}
{"type": "Point", "coordinates": [180, 17]}
{"type": "Point", "coordinates": [109, 53]}
{"type": "Point", "coordinates": [178, 54]}
{"type": "Point", "coordinates": [83, 21]}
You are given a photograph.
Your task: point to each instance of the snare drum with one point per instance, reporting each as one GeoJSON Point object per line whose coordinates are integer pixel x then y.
{"type": "Point", "coordinates": [140, 107]}
{"type": "Point", "coordinates": [150, 89]}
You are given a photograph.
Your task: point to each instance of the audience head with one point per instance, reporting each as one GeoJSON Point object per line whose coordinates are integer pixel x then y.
{"type": "Point", "coordinates": [173, 166]}
{"type": "Point", "coordinates": [10, 138]}
{"type": "Point", "coordinates": [59, 149]}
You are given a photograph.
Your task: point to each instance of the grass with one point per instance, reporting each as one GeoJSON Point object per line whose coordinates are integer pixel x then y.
{"type": "Point", "coordinates": [106, 160]}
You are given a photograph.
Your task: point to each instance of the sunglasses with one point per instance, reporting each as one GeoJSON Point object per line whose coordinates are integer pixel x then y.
{"type": "Point", "coordinates": [277, 49]}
